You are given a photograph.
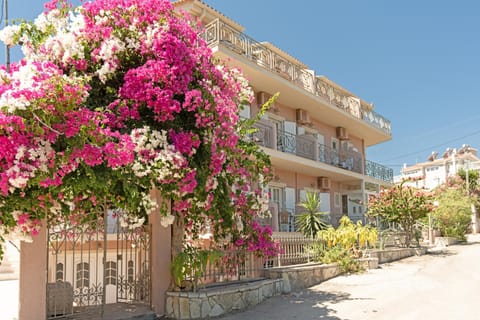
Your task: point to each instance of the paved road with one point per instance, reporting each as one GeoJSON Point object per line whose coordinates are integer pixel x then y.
{"type": "Point", "coordinates": [443, 286]}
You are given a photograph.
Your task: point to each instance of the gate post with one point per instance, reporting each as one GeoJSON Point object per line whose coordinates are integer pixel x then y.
{"type": "Point", "coordinates": [161, 259]}
{"type": "Point", "coordinates": [33, 277]}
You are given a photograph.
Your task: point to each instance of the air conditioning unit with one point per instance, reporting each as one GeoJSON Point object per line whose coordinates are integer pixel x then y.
{"type": "Point", "coordinates": [342, 133]}
{"type": "Point", "coordinates": [303, 117]}
{"type": "Point", "coordinates": [323, 183]}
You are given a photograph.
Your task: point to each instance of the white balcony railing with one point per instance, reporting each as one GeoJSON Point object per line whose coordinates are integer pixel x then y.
{"type": "Point", "coordinates": [220, 33]}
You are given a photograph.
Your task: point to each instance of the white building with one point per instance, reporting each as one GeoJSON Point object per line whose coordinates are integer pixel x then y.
{"type": "Point", "coordinates": [435, 170]}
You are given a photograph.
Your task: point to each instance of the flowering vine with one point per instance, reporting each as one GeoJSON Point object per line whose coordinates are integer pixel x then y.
{"type": "Point", "coordinates": [116, 97]}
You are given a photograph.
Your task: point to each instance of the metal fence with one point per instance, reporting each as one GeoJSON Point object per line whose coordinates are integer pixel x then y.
{"type": "Point", "coordinates": [294, 249]}
{"type": "Point", "coordinates": [94, 264]}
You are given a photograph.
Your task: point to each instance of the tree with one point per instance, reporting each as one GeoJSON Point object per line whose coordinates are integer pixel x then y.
{"type": "Point", "coordinates": [401, 204]}
{"type": "Point", "coordinates": [311, 221]}
{"type": "Point", "coordinates": [115, 98]}
{"type": "Point", "coordinates": [473, 178]}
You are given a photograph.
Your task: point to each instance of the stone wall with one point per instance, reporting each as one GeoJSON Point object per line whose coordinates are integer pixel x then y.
{"type": "Point", "coordinates": [298, 277]}
{"type": "Point", "coordinates": [445, 241]}
{"type": "Point", "coordinates": [213, 302]}
{"type": "Point", "coordinates": [389, 255]}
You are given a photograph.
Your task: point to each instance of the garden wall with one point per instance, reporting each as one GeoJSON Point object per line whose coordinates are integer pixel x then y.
{"type": "Point", "coordinates": [389, 255]}
{"type": "Point", "coordinates": [213, 302]}
{"type": "Point", "coordinates": [216, 301]}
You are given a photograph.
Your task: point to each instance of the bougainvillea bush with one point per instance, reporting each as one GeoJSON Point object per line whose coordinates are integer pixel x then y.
{"type": "Point", "coordinates": [117, 97]}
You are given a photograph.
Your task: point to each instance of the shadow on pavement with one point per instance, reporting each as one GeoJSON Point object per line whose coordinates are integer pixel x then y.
{"type": "Point", "coordinates": [306, 305]}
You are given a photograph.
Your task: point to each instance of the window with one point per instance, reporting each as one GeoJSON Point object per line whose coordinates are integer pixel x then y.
{"type": "Point", "coordinates": [59, 272]}
{"type": "Point", "coordinates": [130, 270]}
{"type": "Point", "coordinates": [334, 158]}
{"type": "Point", "coordinates": [337, 200]}
{"type": "Point", "coordinates": [276, 196]}
{"type": "Point", "coordinates": [335, 143]}
{"type": "Point", "coordinates": [83, 274]}
{"type": "Point", "coordinates": [111, 272]}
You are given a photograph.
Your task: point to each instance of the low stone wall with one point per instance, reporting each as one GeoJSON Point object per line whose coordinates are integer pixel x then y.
{"type": "Point", "coordinates": [445, 241]}
{"type": "Point", "coordinates": [389, 255]}
{"type": "Point", "coordinates": [298, 277]}
{"type": "Point", "coordinates": [213, 302]}
{"type": "Point", "coordinates": [473, 238]}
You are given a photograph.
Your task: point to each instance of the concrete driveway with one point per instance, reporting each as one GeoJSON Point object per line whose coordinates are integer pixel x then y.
{"type": "Point", "coordinates": [441, 286]}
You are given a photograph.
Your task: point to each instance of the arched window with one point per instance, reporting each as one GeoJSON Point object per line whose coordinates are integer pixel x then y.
{"type": "Point", "coordinates": [83, 275]}
{"type": "Point", "coordinates": [59, 272]}
{"type": "Point", "coordinates": [111, 273]}
{"type": "Point", "coordinates": [130, 271]}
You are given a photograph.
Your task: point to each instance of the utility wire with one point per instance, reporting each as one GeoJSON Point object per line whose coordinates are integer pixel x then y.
{"type": "Point", "coordinates": [434, 146]}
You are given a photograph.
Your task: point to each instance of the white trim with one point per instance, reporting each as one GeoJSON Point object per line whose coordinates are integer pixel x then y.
{"type": "Point", "coordinates": [277, 184]}
{"type": "Point", "coordinates": [274, 116]}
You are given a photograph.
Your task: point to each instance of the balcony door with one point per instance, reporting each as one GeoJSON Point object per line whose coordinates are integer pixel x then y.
{"type": "Point", "coordinates": [277, 196]}
{"type": "Point", "coordinates": [286, 135]}
{"type": "Point", "coordinates": [322, 153]}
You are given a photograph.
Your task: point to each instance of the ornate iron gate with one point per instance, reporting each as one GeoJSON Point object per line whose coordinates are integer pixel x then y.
{"type": "Point", "coordinates": [96, 264]}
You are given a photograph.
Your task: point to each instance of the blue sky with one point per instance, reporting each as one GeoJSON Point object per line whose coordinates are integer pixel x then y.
{"type": "Point", "coordinates": [417, 61]}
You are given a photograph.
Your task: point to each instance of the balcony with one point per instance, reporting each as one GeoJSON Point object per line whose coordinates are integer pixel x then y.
{"type": "Point", "coordinates": [219, 33]}
{"type": "Point", "coordinates": [307, 147]}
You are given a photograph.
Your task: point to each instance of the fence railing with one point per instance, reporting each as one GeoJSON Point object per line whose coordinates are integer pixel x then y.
{"type": "Point", "coordinates": [347, 160]}
{"type": "Point", "coordinates": [218, 32]}
{"type": "Point", "coordinates": [293, 249]}
{"type": "Point", "coordinates": [378, 171]}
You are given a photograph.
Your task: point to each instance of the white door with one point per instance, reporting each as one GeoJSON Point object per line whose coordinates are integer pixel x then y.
{"type": "Point", "coordinates": [325, 204]}
{"type": "Point", "coordinates": [290, 205]}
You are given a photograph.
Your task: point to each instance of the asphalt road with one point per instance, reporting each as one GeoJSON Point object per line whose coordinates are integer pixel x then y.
{"type": "Point", "coordinates": [441, 286]}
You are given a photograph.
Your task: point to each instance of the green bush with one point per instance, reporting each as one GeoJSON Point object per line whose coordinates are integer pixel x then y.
{"type": "Point", "coordinates": [453, 214]}
{"type": "Point", "coordinates": [343, 257]}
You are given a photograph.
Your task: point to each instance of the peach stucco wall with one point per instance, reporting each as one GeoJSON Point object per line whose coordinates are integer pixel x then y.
{"type": "Point", "coordinates": [161, 258]}
{"type": "Point", "coordinates": [33, 278]}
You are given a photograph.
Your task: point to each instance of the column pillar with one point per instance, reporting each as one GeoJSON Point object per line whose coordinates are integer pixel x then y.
{"type": "Point", "coordinates": [161, 258]}
{"type": "Point", "coordinates": [33, 277]}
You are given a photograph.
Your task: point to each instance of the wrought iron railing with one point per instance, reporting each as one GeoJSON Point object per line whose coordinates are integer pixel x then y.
{"type": "Point", "coordinates": [264, 135]}
{"type": "Point", "coordinates": [348, 160]}
{"type": "Point", "coordinates": [294, 249]}
{"type": "Point", "coordinates": [378, 171]}
{"type": "Point", "coordinates": [219, 33]}
{"type": "Point", "coordinates": [306, 147]}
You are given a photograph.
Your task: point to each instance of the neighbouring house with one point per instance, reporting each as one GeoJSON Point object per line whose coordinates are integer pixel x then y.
{"type": "Point", "coordinates": [436, 170]}
{"type": "Point", "coordinates": [316, 133]}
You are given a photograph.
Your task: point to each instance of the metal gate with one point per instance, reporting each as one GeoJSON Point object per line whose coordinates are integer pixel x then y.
{"type": "Point", "coordinates": [95, 267]}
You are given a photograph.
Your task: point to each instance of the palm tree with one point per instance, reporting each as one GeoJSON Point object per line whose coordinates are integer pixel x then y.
{"type": "Point", "coordinates": [312, 220]}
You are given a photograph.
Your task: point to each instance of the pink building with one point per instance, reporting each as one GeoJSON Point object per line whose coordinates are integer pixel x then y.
{"type": "Point", "coordinates": [316, 134]}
